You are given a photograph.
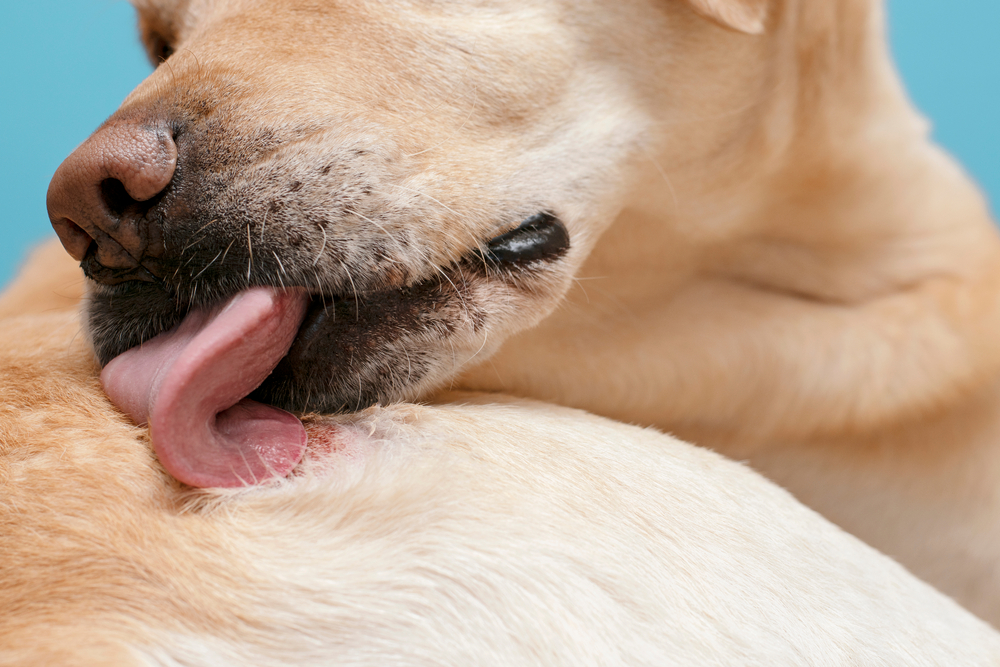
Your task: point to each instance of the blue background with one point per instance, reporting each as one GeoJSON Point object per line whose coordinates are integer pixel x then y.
{"type": "Point", "coordinates": [67, 64]}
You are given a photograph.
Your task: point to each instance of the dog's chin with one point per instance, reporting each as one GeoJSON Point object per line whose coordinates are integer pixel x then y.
{"type": "Point", "coordinates": [360, 348]}
{"type": "Point", "coordinates": [353, 352]}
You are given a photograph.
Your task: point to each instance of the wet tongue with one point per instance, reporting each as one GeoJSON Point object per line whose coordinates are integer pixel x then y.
{"type": "Point", "coordinates": [189, 384]}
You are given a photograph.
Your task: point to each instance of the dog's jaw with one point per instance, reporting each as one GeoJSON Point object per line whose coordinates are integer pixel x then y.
{"type": "Point", "coordinates": [371, 346]}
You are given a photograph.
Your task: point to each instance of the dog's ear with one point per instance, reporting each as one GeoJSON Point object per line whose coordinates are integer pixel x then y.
{"type": "Point", "coordinates": [743, 15]}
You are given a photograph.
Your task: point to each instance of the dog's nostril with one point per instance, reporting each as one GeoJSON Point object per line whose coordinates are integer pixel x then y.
{"type": "Point", "coordinates": [116, 197]}
{"type": "Point", "coordinates": [76, 241]}
{"type": "Point", "coordinates": [114, 177]}
{"type": "Point", "coordinates": [541, 237]}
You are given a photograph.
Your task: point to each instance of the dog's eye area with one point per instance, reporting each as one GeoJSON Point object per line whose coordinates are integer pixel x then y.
{"type": "Point", "coordinates": [159, 49]}
{"type": "Point", "coordinates": [541, 237]}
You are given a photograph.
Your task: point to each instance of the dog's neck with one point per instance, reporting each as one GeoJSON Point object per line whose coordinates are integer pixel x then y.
{"type": "Point", "coordinates": [822, 268]}
{"type": "Point", "coordinates": [825, 184]}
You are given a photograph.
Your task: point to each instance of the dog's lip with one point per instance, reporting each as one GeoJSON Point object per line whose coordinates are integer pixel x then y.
{"type": "Point", "coordinates": [311, 321]}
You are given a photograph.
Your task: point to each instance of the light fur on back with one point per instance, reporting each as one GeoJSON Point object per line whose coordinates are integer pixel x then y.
{"type": "Point", "coordinates": [484, 531]}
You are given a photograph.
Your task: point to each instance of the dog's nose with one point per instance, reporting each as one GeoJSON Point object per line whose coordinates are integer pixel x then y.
{"type": "Point", "coordinates": [99, 196]}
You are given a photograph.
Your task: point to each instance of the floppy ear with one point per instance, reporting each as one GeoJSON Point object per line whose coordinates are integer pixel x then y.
{"type": "Point", "coordinates": [743, 15]}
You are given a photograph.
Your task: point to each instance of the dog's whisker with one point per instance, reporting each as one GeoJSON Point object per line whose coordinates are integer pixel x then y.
{"type": "Point", "coordinates": [282, 269]}
{"type": "Point", "coordinates": [319, 288]}
{"type": "Point", "coordinates": [357, 300]}
{"type": "Point", "coordinates": [226, 252]}
{"type": "Point", "coordinates": [409, 364]}
{"type": "Point", "coordinates": [207, 266]}
{"type": "Point", "coordinates": [173, 74]}
{"type": "Point", "coordinates": [458, 292]}
{"type": "Point", "coordinates": [579, 283]}
{"type": "Point", "coordinates": [382, 229]}
{"type": "Point", "coordinates": [663, 175]}
{"type": "Point", "coordinates": [249, 254]}
{"type": "Point", "coordinates": [198, 232]}
{"type": "Point", "coordinates": [186, 262]}
{"type": "Point", "coordinates": [461, 273]}
{"type": "Point", "coordinates": [360, 401]}
{"type": "Point", "coordinates": [424, 194]}
{"type": "Point", "coordinates": [195, 56]}
{"type": "Point", "coordinates": [322, 248]}
{"type": "Point", "coordinates": [281, 266]}
{"type": "Point", "coordinates": [486, 336]}
{"type": "Point", "coordinates": [308, 401]}
{"type": "Point", "coordinates": [76, 334]}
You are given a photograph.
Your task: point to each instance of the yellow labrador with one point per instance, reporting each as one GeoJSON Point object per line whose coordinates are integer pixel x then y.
{"type": "Point", "coordinates": [325, 205]}
{"type": "Point", "coordinates": [486, 531]}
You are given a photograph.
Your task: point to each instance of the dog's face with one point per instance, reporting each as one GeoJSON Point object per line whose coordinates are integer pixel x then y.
{"type": "Point", "coordinates": [432, 173]}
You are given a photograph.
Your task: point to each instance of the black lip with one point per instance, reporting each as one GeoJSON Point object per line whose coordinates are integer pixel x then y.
{"type": "Point", "coordinates": [353, 352]}
{"type": "Point", "coordinates": [541, 237]}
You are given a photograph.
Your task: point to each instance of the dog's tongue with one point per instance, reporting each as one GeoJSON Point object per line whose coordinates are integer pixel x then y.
{"type": "Point", "coordinates": [189, 384]}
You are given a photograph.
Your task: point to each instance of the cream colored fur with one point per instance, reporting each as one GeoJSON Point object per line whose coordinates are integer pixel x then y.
{"type": "Point", "coordinates": [770, 258]}
{"type": "Point", "coordinates": [814, 288]}
{"type": "Point", "coordinates": [484, 531]}
{"type": "Point", "coordinates": [48, 282]}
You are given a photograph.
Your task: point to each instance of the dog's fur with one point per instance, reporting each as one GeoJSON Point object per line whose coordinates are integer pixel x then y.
{"type": "Point", "coordinates": [793, 275]}
{"type": "Point", "coordinates": [488, 531]}
{"type": "Point", "coordinates": [47, 283]}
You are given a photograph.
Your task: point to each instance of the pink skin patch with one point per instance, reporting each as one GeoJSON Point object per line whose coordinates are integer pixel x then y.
{"type": "Point", "coordinates": [337, 452]}
{"type": "Point", "coordinates": [190, 385]}
{"type": "Point", "coordinates": [326, 441]}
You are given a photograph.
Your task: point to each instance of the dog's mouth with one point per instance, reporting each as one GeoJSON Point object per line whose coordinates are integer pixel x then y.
{"type": "Point", "coordinates": [190, 385]}
{"type": "Point", "coordinates": [218, 389]}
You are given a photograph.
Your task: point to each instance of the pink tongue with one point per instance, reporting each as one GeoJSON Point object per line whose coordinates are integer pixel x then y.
{"type": "Point", "coordinates": [190, 385]}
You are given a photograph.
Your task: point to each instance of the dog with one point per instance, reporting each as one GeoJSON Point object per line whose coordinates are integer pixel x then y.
{"type": "Point", "coordinates": [721, 218]}
{"type": "Point", "coordinates": [483, 531]}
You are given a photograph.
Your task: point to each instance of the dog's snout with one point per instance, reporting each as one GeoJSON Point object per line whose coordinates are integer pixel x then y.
{"type": "Point", "coordinates": [100, 195]}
